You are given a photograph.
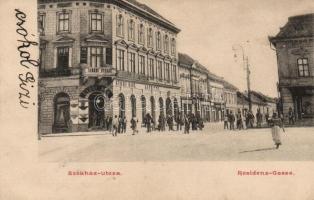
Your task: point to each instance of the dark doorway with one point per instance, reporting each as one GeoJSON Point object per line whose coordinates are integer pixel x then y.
{"type": "Point", "coordinates": [63, 58]}
{"type": "Point", "coordinates": [96, 110]}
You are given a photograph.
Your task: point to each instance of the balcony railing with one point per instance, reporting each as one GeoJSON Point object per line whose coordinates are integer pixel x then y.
{"type": "Point", "coordinates": [59, 72]}
{"type": "Point", "coordinates": [100, 71]}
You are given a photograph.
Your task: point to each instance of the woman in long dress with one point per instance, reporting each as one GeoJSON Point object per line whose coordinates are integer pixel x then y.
{"type": "Point", "coordinates": [276, 124]}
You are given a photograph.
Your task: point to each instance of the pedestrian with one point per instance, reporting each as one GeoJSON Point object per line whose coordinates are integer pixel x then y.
{"type": "Point", "coordinates": [259, 118]}
{"type": "Point", "coordinates": [231, 120]}
{"type": "Point", "coordinates": [153, 124]}
{"type": "Point", "coordinates": [170, 122]}
{"type": "Point", "coordinates": [134, 125]}
{"type": "Point", "coordinates": [124, 124]}
{"type": "Point", "coordinates": [178, 121]}
{"type": "Point", "coordinates": [194, 122]}
{"type": "Point", "coordinates": [186, 125]}
{"type": "Point", "coordinates": [163, 123]}
{"type": "Point", "coordinates": [226, 122]}
{"type": "Point", "coordinates": [106, 123]}
{"type": "Point", "coordinates": [250, 118]}
{"type": "Point", "coordinates": [120, 124]}
{"type": "Point", "coordinates": [291, 116]}
{"type": "Point", "coordinates": [239, 120]}
{"type": "Point", "coordinates": [200, 124]}
{"type": "Point", "coordinates": [148, 121]}
{"type": "Point", "coordinates": [110, 124]}
{"type": "Point", "coordinates": [115, 124]}
{"type": "Point", "coordinates": [276, 123]}
{"type": "Point", "coordinates": [160, 123]}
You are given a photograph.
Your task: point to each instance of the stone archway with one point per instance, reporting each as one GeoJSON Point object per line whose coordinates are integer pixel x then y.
{"type": "Point", "coordinates": [62, 117]}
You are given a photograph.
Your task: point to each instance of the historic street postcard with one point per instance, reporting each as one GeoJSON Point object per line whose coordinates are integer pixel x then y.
{"type": "Point", "coordinates": [157, 99]}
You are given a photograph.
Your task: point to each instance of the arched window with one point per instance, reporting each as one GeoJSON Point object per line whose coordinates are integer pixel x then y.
{"type": "Point", "coordinates": [141, 36]}
{"type": "Point", "coordinates": [131, 31]}
{"type": "Point", "coordinates": [173, 46]}
{"type": "Point", "coordinates": [143, 102]}
{"type": "Point", "coordinates": [166, 44]}
{"type": "Point", "coordinates": [121, 105]}
{"type": "Point", "coordinates": [120, 25]}
{"type": "Point", "coordinates": [61, 113]}
{"type": "Point", "coordinates": [133, 106]}
{"type": "Point", "coordinates": [158, 40]}
{"type": "Point", "coordinates": [161, 106]}
{"type": "Point", "coordinates": [150, 37]}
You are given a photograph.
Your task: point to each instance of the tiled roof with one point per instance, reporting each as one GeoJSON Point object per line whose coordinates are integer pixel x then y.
{"type": "Point", "coordinates": [134, 3]}
{"type": "Point", "coordinates": [297, 26]}
{"type": "Point", "coordinates": [147, 9]}
{"type": "Point", "coordinates": [256, 97]}
{"type": "Point", "coordinates": [186, 59]}
{"type": "Point", "coordinates": [263, 97]}
{"type": "Point", "coordinates": [229, 86]}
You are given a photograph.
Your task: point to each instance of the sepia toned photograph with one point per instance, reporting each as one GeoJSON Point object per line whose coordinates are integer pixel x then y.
{"type": "Point", "coordinates": [119, 81]}
{"type": "Point", "coordinates": [157, 99]}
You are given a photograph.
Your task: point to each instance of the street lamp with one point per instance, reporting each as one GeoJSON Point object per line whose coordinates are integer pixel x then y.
{"type": "Point", "coordinates": [246, 67]}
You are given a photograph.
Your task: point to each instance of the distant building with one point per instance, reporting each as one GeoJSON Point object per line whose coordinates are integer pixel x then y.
{"type": "Point", "coordinates": [259, 102]}
{"type": "Point", "coordinates": [216, 90]}
{"type": "Point", "coordinates": [294, 46]}
{"type": "Point", "coordinates": [230, 97]}
{"type": "Point", "coordinates": [194, 88]}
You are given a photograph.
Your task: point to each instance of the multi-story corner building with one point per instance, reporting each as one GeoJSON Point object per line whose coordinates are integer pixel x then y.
{"type": "Point", "coordinates": [216, 91]}
{"type": "Point", "coordinates": [194, 87]}
{"type": "Point", "coordinates": [230, 97]}
{"type": "Point", "coordinates": [294, 45]}
{"type": "Point", "coordinates": [101, 58]}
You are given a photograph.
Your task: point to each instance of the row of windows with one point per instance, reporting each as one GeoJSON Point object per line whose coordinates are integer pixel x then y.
{"type": "Point", "coordinates": [230, 98]}
{"type": "Point", "coordinates": [96, 22]}
{"type": "Point", "coordinates": [98, 56]}
{"type": "Point", "coordinates": [162, 71]}
{"type": "Point", "coordinates": [150, 35]}
{"type": "Point", "coordinates": [97, 25]}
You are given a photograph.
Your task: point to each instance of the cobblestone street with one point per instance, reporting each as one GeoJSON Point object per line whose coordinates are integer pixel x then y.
{"type": "Point", "coordinates": [208, 145]}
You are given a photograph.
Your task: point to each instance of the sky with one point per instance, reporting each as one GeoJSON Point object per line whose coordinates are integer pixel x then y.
{"type": "Point", "coordinates": [210, 28]}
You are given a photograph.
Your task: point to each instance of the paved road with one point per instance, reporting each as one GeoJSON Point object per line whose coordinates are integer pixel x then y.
{"type": "Point", "coordinates": [208, 145]}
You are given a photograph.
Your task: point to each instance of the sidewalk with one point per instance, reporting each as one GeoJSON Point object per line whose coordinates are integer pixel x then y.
{"type": "Point", "coordinates": [212, 126]}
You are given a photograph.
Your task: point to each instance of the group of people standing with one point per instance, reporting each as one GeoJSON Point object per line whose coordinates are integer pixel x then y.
{"type": "Point", "coordinates": [174, 123]}
{"type": "Point", "coordinates": [275, 122]}
{"type": "Point", "coordinates": [248, 120]}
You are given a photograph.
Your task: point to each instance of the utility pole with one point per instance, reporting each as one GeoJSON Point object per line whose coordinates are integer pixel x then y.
{"type": "Point", "coordinates": [248, 73]}
{"type": "Point", "coordinates": [246, 66]}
